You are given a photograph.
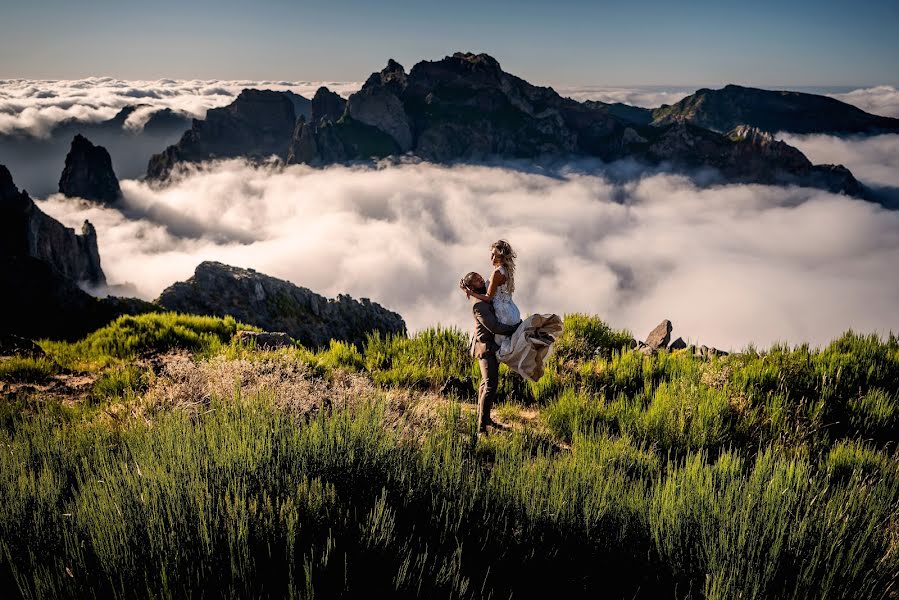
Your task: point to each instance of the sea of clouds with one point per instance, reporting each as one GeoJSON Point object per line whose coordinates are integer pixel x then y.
{"type": "Point", "coordinates": [728, 265]}
{"type": "Point", "coordinates": [35, 107]}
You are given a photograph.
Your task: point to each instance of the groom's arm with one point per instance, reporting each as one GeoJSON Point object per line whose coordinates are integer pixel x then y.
{"type": "Point", "coordinates": [487, 318]}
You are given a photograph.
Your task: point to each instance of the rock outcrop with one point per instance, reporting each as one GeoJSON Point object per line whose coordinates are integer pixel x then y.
{"type": "Point", "coordinates": [657, 341]}
{"type": "Point", "coordinates": [88, 173]}
{"type": "Point", "coordinates": [257, 125]}
{"type": "Point", "coordinates": [773, 111]}
{"type": "Point", "coordinates": [25, 230]}
{"type": "Point", "coordinates": [278, 305]}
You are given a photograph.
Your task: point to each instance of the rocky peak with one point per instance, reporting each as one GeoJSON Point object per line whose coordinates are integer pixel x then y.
{"type": "Point", "coordinates": [278, 305]}
{"type": "Point", "coordinates": [8, 189]}
{"type": "Point", "coordinates": [88, 173]}
{"type": "Point", "coordinates": [326, 105]}
{"type": "Point", "coordinates": [379, 104]}
{"type": "Point", "coordinates": [478, 61]}
{"type": "Point", "coordinates": [393, 75]}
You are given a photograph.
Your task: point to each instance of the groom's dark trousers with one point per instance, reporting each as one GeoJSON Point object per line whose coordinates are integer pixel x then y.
{"type": "Point", "coordinates": [484, 348]}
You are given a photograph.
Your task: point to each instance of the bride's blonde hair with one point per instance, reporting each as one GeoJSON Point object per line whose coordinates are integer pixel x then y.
{"type": "Point", "coordinates": [507, 258]}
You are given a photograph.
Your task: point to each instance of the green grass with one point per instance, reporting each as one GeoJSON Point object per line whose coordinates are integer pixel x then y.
{"type": "Point", "coordinates": [27, 369]}
{"type": "Point", "coordinates": [757, 475]}
{"type": "Point", "coordinates": [131, 336]}
{"type": "Point", "coordinates": [247, 501]}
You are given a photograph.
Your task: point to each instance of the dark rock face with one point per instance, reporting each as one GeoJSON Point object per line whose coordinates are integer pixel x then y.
{"type": "Point", "coordinates": [278, 305]}
{"type": "Point", "coordinates": [26, 231]}
{"type": "Point", "coordinates": [258, 124]}
{"type": "Point", "coordinates": [88, 173]}
{"type": "Point", "coordinates": [795, 112]}
{"type": "Point", "coordinates": [326, 105]}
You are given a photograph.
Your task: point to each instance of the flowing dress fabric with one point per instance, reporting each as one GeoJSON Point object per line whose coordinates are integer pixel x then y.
{"type": "Point", "coordinates": [526, 350]}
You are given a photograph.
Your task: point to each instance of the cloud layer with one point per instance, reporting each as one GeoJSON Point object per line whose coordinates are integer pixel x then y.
{"type": "Point", "coordinates": [34, 107]}
{"type": "Point", "coordinates": [873, 160]}
{"type": "Point", "coordinates": [728, 265]}
{"type": "Point", "coordinates": [879, 100]}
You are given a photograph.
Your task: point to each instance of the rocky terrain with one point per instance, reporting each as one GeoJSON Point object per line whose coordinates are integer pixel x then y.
{"type": "Point", "coordinates": [465, 107]}
{"type": "Point", "coordinates": [88, 173]}
{"type": "Point", "coordinates": [277, 305]}
{"type": "Point", "coordinates": [773, 111]}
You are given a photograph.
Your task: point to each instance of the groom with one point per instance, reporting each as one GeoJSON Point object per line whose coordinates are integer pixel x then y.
{"type": "Point", "coordinates": [484, 346]}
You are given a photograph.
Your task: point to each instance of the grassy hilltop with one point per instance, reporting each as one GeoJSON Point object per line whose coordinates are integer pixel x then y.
{"type": "Point", "coordinates": [158, 458]}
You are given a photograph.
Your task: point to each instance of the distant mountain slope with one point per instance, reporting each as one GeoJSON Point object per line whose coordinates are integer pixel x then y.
{"type": "Point", "coordinates": [258, 124]}
{"type": "Point", "coordinates": [795, 112]}
{"type": "Point", "coordinates": [465, 107]}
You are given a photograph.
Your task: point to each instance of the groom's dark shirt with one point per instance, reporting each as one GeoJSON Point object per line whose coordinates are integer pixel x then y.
{"type": "Point", "coordinates": [486, 327]}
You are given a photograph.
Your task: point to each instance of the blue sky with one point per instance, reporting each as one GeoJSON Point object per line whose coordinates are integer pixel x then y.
{"type": "Point", "coordinates": [565, 42]}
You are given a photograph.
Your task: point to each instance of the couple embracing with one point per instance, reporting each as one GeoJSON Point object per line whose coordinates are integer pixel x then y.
{"type": "Point", "coordinates": [500, 335]}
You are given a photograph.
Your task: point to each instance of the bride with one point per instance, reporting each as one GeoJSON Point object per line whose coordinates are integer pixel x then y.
{"type": "Point", "coordinates": [526, 350]}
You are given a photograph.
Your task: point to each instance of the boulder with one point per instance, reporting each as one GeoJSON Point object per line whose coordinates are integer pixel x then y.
{"type": "Point", "coordinates": [678, 344]}
{"type": "Point", "coordinates": [11, 345]}
{"type": "Point", "coordinates": [277, 305]}
{"type": "Point", "coordinates": [265, 339]}
{"type": "Point", "coordinates": [658, 337]}
{"type": "Point", "coordinates": [88, 173]}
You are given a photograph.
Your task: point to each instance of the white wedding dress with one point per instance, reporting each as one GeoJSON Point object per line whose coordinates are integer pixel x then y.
{"type": "Point", "coordinates": [503, 305]}
{"type": "Point", "coordinates": [525, 350]}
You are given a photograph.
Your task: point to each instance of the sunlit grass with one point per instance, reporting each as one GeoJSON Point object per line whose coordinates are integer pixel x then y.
{"type": "Point", "coordinates": [243, 472]}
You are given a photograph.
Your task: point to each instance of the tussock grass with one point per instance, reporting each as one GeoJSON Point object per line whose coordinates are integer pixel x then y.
{"type": "Point", "coordinates": [240, 472]}
{"type": "Point", "coordinates": [27, 369]}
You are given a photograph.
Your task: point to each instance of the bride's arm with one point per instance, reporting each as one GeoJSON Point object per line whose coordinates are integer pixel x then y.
{"type": "Point", "coordinates": [496, 280]}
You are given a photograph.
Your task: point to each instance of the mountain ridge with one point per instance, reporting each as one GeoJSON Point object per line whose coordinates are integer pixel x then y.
{"type": "Point", "coordinates": [464, 107]}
